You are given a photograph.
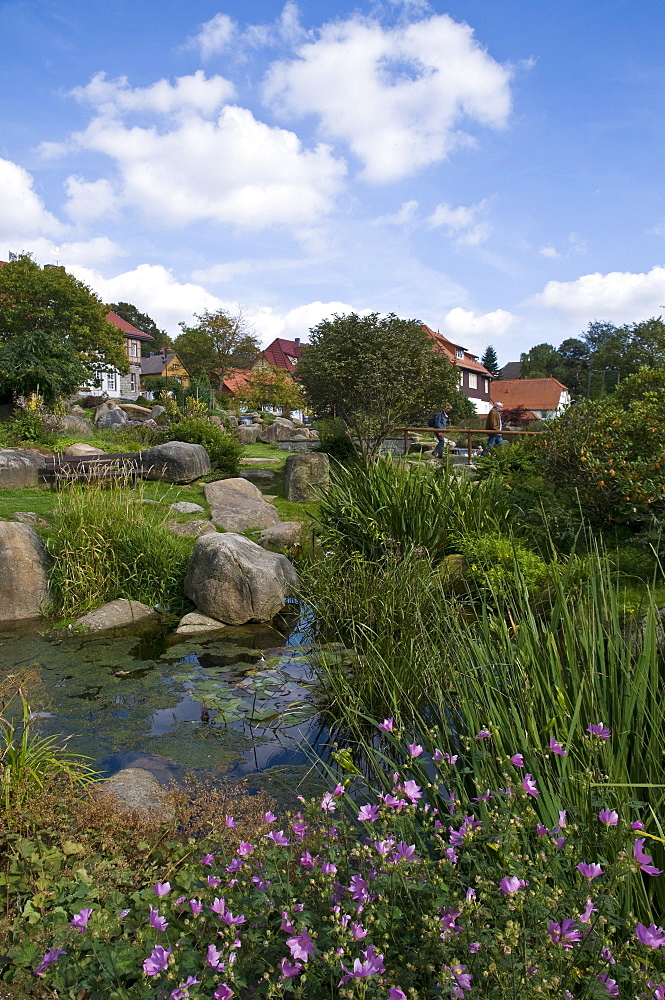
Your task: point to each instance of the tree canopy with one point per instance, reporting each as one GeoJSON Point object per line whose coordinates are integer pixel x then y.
{"type": "Point", "coordinates": [490, 361]}
{"type": "Point", "coordinates": [270, 387]}
{"type": "Point", "coordinates": [54, 336]}
{"type": "Point", "coordinates": [218, 342]}
{"type": "Point", "coordinates": [375, 372]}
{"type": "Point", "coordinates": [143, 322]}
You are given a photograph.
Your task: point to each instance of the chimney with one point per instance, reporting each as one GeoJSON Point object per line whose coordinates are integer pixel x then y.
{"type": "Point", "coordinates": [297, 341]}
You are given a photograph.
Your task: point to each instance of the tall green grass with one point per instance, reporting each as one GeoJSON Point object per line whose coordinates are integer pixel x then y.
{"type": "Point", "coordinates": [109, 543]}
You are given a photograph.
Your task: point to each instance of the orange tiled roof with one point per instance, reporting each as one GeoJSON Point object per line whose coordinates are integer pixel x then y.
{"type": "Point", "coordinates": [468, 361]}
{"type": "Point", "coordinates": [127, 328]}
{"type": "Point", "coordinates": [531, 393]}
{"type": "Point", "coordinates": [280, 352]}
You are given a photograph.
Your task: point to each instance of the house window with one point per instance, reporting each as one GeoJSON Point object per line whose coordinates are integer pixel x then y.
{"type": "Point", "coordinates": [133, 349]}
{"type": "Point", "coordinates": [174, 368]}
{"type": "Point", "coordinates": [461, 379]}
{"type": "Point", "coordinates": [459, 353]}
{"type": "Point", "coordinates": [133, 383]}
{"type": "Point", "coordinates": [487, 384]}
{"type": "Point", "coordinates": [473, 381]}
{"type": "Point", "coordinates": [110, 383]}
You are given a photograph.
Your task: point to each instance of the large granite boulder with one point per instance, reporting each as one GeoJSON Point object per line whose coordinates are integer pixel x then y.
{"type": "Point", "coordinates": [135, 789]}
{"type": "Point", "coordinates": [69, 423]}
{"type": "Point", "coordinates": [175, 462]}
{"type": "Point", "coordinates": [281, 536]}
{"type": "Point", "coordinates": [135, 412]}
{"type": "Point", "coordinates": [116, 614]}
{"type": "Point", "coordinates": [237, 504]}
{"type": "Point", "coordinates": [19, 467]}
{"type": "Point", "coordinates": [156, 412]}
{"type": "Point", "coordinates": [280, 429]}
{"type": "Point", "coordinates": [257, 475]}
{"type": "Point", "coordinates": [24, 566]}
{"type": "Point", "coordinates": [191, 529]}
{"type": "Point", "coordinates": [248, 433]}
{"type": "Point", "coordinates": [110, 419]}
{"type": "Point", "coordinates": [233, 580]}
{"type": "Point", "coordinates": [81, 450]}
{"type": "Point", "coordinates": [306, 474]}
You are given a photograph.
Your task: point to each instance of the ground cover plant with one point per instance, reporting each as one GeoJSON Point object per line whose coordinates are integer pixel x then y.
{"type": "Point", "coordinates": [374, 893]}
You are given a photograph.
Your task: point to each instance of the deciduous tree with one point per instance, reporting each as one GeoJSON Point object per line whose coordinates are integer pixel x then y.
{"type": "Point", "coordinates": [218, 342]}
{"type": "Point", "coordinates": [270, 387]}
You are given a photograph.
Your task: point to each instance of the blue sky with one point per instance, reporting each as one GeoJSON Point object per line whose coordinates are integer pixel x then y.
{"type": "Point", "coordinates": [491, 167]}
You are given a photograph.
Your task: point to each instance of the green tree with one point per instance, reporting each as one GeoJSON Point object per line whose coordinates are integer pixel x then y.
{"type": "Point", "coordinates": [270, 387]}
{"type": "Point", "coordinates": [375, 372]}
{"type": "Point", "coordinates": [218, 342]}
{"type": "Point", "coordinates": [145, 323]}
{"type": "Point", "coordinates": [490, 361]}
{"type": "Point", "coordinates": [54, 336]}
{"type": "Point", "coordinates": [618, 351]}
{"type": "Point", "coordinates": [541, 361]}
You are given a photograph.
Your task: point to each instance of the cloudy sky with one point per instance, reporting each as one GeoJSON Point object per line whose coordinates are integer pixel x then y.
{"type": "Point", "coordinates": [491, 167]}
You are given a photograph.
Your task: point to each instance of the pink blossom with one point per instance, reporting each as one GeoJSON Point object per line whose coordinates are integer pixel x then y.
{"type": "Point", "coordinates": [387, 725]}
{"type": "Point", "coordinates": [328, 803]}
{"type": "Point", "coordinates": [213, 881]}
{"type": "Point", "coordinates": [404, 851]}
{"type": "Point", "coordinates": [462, 979]}
{"type": "Point", "coordinates": [395, 993]}
{"type": "Point", "coordinates": [159, 923]}
{"type": "Point", "coordinates": [182, 992]}
{"type": "Point", "coordinates": [373, 965]}
{"type": "Point", "coordinates": [328, 868]}
{"type": "Point", "coordinates": [384, 846]}
{"type": "Point", "coordinates": [157, 961]}
{"type": "Point", "coordinates": [415, 749]}
{"type": "Point", "coordinates": [277, 836]}
{"type": "Point", "coordinates": [651, 936]}
{"type": "Point", "coordinates": [223, 992]}
{"type": "Point", "coordinates": [609, 817]}
{"type": "Point", "coordinates": [517, 760]}
{"type": "Point", "coordinates": [80, 920]}
{"type": "Point", "coordinates": [529, 785]}
{"type": "Point", "coordinates": [269, 817]}
{"type": "Point", "coordinates": [474, 947]}
{"type": "Point", "coordinates": [230, 822]}
{"type": "Point", "coordinates": [589, 871]}
{"type": "Point", "coordinates": [162, 888]}
{"type": "Point", "coordinates": [598, 729]}
{"type": "Point", "coordinates": [244, 849]}
{"type": "Point", "coordinates": [290, 969]}
{"type": "Point", "coordinates": [585, 916]}
{"type": "Point", "coordinates": [306, 860]}
{"type": "Point", "coordinates": [196, 906]}
{"type": "Point", "coordinates": [51, 956]}
{"type": "Point", "coordinates": [557, 747]}
{"type": "Point", "coordinates": [565, 934]}
{"type": "Point", "coordinates": [609, 984]}
{"type": "Point", "coordinates": [637, 825]}
{"type": "Point", "coordinates": [358, 931]}
{"type": "Point", "coordinates": [207, 859]}
{"type": "Point", "coordinates": [512, 884]}
{"type": "Point", "coordinates": [412, 790]}
{"type": "Point", "coordinates": [301, 946]}
{"type": "Point", "coordinates": [644, 860]}
{"type": "Point", "coordinates": [213, 957]}
{"type": "Point", "coordinates": [368, 813]}
{"type": "Point", "coordinates": [483, 734]}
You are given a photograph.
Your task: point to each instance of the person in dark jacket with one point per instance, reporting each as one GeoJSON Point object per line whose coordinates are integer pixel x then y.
{"type": "Point", "coordinates": [439, 419]}
{"type": "Point", "coordinates": [493, 423]}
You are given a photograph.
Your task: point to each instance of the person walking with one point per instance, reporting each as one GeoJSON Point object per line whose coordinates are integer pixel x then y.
{"type": "Point", "coordinates": [493, 423]}
{"type": "Point", "coordinates": [439, 420]}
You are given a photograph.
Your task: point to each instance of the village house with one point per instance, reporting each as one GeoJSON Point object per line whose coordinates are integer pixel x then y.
{"type": "Point", "coordinates": [113, 384]}
{"type": "Point", "coordinates": [164, 366]}
{"type": "Point", "coordinates": [543, 397]}
{"type": "Point", "coordinates": [474, 380]}
{"type": "Point", "coordinates": [280, 354]}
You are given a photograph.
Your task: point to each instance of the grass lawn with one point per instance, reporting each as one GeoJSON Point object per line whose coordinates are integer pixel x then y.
{"type": "Point", "coordinates": [267, 451]}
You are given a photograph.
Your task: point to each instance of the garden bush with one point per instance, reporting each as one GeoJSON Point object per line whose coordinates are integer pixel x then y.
{"type": "Point", "coordinates": [224, 449]}
{"type": "Point", "coordinates": [376, 894]}
{"type": "Point", "coordinates": [496, 562]}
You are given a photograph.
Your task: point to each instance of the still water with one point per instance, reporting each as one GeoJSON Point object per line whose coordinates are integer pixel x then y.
{"type": "Point", "coordinates": [242, 703]}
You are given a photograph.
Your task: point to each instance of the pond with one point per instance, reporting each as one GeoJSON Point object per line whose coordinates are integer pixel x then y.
{"type": "Point", "coordinates": [240, 703]}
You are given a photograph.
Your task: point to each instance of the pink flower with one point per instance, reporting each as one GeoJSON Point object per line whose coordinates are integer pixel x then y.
{"type": "Point", "coordinates": [277, 836]}
{"type": "Point", "coordinates": [644, 860]}
{"type": "Point", "coordinates": [269, 817]}
{"type": "Point", "coordinates": [159, 923]}
{"type": "Point", "coordinates": [462, 979]}
{"type": "Point", "coordinates": [585, 916]}
{"type": "Point", "coordinates": [368, 813]}
{"type": "Point", "coordinates": [598, 729]}
{"type": "Point", "coordinates": [404, 851]}
{"type": "Point", "coordinates": [80, 920]}
{"type": "Point", "coordinates": [223, 992]}
{"type": "Point", "coordinates": [182, 992]}
{"type": "Point", "coordinates": [289, 969]}
{"type": "Point", "coordinates": [218, 906]}
{"type": "Point", "coordinates": [637, 825]}
{"type": "Point", "coordinates": [517, 760]}
{"type": "Point", "coordinates": [230, 822]}
{"type": "Point", "coordinates": [162, 888]}
{"type": "Point", "coordinates": [301, 946]}
{"type": "Point", "coordinates": [207, 859]}
{"type": "Point", "coordinates": [306, 860]}
{"type": "Point", "coordinates": [213, 957]}
{"type": "Point", "coordinates": [157, 961]}
{"type": "Point", "coordinates": [652, 936]}
{"type": "Point", "coordinates": [609, 817]}
{"type": "Point", "coordinates": [557, 747]}
{"type": "Point", "coordinates": [373, 965]}
{"type": "Point", "coordinates": [412, 790]}
{"type": "Point", "coordinates": [387, 725]}
{"type": "Point", "coordinates": [395, 993]}
{"type": "Point", "coordinates": [51, 956]}
{"type": "Point", "coordinates": [328, 803]}
{"type": "Point", "coordinates": [328, 868]}
{"type": "Point", "coordinates": [339, 790]}
{"type": "Point", "coordinates": [566, 933]}
{"type": "Point", "coordinates": [213, 881]}
{"type": "Point", "coordinates": [384, 846]}
{"type": "Point", "coordinates": [358, 931]}
{"type": "Point", "coordinates": [609, 984]}
{"type": "Point", "coordinates": [415, 749]}
{"type": "Point", "coordinates": [483, 734]}
{"type": "Point", "coordinates": [589, 871]}
{"type": "Point", "coordinates": [245, 849]}
{"type": "Point", "coordinates": [511, 884]}
{"type": "Point", "coordinates": [196, 906]}
{"type": "Point", "coordinates": [474, 947]}
{"type": "Point", "coordinates": [529, 785]}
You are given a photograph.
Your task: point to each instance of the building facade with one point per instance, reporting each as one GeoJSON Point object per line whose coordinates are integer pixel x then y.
{"type": "Point", "coordinates": [543, 397]}
{"type": "Point", "coordinates": [474, 380]}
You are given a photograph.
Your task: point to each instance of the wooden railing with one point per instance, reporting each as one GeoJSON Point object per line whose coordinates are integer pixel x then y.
{"type": "Point", "coordinates": [469, 431]}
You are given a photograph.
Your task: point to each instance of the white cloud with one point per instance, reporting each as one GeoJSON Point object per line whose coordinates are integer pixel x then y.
{"type": "Point", "coordinates": [270, 323]}
{"type": "Point", "coordinates": [397, 96]}
{"type": "Point", "coordinates": [23, 216]}
{"type": "Point", "coordinates": [405, 214]}
{"type": "Point", "coordinates": [88, 200]}
{"type": "Point", "coordinates": [189, 93]}
{"type": "Point", "coordinates": [465, 326]}
{"type": "Point", "coordinates": [550, 252]}
{"type": "Point", "coordinates": [620, 296]}
{"type": "Point", "coordinates": [153, 290]}
{"type": "Point", "coordinates": [88, 253]}
{"type": "Point", "coordinates": [462, 223]}
{"type": "Point", "coordinates": [214, 36]}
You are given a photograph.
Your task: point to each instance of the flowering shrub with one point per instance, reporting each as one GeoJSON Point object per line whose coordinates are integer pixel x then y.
{"type": "Point", "coordinates": [396, 899]}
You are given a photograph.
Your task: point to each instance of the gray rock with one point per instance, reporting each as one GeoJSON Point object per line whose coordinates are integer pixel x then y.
{"type": "Point", "coordinates": [235, 581]}
{"type": "Point", "coordinates": [30, 517]}
{"type": "Point", "coordinates": [116, 614]}
{"type": "Point", "coordinates": [107, 404]}
{"type": "Point", "coordinates": [24, 566]}
{"type": "Point", "coordinates": [196, 624]}
{"type": "Point", "coordinates": [306, 474]}
{"type": "Point", "coordinates": [156, 411]}
{"type": "Point", "coordinates": [19, 467]}
{"type": "Point", "coordinates": [281, 536]}
{"type": "Point", "coordinates": [191, 529]}
{"type": "Point", "coordinates": [237, 505]}
{"type": "Point", "coordinates": [69, 424]}
{"type": "Point", "coordinates": [184, 507]}
{"type": "Point", "coordinates": [109, 419]}
{"type": "Point", "coordinates": [248, 433]}
{"type": "Point", "coordinates": [77, 410]}
{"type": "Point", "coordinates": [135, 412]}
{"type": "Point", "coordinates": [260, 474]}
{"type": "Point", "coordinates": [137, 789]}
{"type": "Point", "coordinates": [175, 462]}
{"type": "Point", "coordinates": [80, 450]}
{"type": "Point", "coordinates": [280, 429]}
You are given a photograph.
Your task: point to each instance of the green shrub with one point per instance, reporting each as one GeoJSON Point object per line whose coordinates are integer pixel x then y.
{"type": "Point", "coordinates": [497, 562]}
{"type": "Point", "coordinates": [224, 449]}
{"type": "Point", "coordinates": [108, 544]}
{"type": "Point", "coordinates": [334, 440]}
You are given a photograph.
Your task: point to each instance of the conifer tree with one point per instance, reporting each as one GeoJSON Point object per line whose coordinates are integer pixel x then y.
{"type": "Point", "coordinates": [490, 361]}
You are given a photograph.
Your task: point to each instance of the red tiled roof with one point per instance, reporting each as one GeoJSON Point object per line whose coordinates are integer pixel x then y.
{"type": "Point", "coordinates": [468, 361]}
{"type": "Point", "coordinates": [127, 328]}
{"type": "Point", "coordinates": [234, 380]}
{"type": "Point", "coordinates": [280, 352]}
{"type": "Point", "coordinates": [531, 393]}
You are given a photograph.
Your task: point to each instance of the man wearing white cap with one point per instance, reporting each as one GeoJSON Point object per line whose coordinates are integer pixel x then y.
{"type": "Point", "coordinates": [494, 423]}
